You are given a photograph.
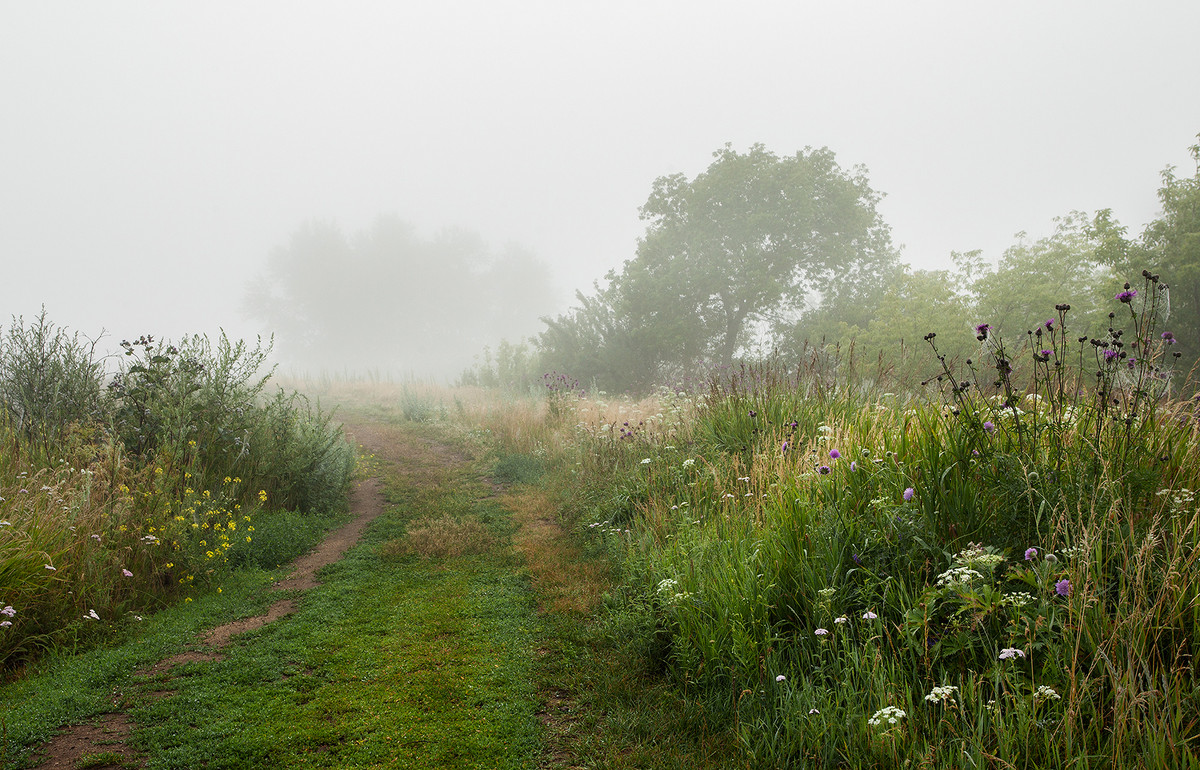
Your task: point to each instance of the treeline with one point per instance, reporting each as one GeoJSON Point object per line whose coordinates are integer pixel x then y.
{"type": "Point", "coordinates": [787, 257]}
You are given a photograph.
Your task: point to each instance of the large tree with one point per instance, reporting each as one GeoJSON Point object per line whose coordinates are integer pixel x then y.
{"type": "Point", "coordinates": [753, 238]}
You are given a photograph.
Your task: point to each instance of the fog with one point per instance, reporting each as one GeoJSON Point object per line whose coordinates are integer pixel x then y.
{"type": "Point", "coordinates": [155, 156]}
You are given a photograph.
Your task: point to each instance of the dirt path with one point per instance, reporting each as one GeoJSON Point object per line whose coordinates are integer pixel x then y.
{"type": "Point", "coordinates": [107, 734]}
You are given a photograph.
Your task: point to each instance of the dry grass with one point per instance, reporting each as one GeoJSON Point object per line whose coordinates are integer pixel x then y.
{"type": "Point", "coordinates": [439, 538]}
{"type": "Point", "coordinates": [566, 580]}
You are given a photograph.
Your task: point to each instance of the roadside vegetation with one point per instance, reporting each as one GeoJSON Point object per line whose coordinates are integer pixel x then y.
{"type": "Point", "coordinates": [996, 568]}
{"type": "Point", "coordinates": [123, 492]}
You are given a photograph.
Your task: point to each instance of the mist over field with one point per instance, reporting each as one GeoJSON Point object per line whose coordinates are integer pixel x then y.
{"type": "Point", "coordinates": [398, 187]}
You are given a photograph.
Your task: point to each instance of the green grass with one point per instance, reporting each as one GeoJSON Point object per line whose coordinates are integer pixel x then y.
{"type": "Point", "coordinates": [401, 666]}
{"type": "Point", "coordinates": [391, 662]}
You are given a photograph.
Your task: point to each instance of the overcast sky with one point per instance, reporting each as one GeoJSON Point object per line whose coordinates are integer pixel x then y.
{"type": "Point", "coordinates": [152, 154]}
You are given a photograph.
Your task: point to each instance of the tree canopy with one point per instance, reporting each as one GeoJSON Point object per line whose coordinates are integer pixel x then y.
{"type": "Point", "coordinates": [754, 238]}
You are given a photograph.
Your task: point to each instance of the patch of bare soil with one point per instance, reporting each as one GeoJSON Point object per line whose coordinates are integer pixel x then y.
{"type": "Point", "coordinates": [107, 734]}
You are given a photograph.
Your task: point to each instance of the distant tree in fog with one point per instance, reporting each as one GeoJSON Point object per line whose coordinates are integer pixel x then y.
{"type": "Point", "coordinates": [388, 299]}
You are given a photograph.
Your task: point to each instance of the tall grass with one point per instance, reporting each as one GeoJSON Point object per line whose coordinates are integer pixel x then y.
{"type": "Point", "coordinates": [999, 569]}
{"type": "Point", "coordinates": [121, 493]}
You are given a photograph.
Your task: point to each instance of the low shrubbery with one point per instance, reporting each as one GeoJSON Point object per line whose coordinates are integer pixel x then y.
{"type": "Point", "coordinates": [120, 493]}
{"type": "Point", "coordinates": [1000, 571]}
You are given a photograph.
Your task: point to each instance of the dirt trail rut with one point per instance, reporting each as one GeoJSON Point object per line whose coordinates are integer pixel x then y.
{"type": "Point", "coordinates": [107, 734]}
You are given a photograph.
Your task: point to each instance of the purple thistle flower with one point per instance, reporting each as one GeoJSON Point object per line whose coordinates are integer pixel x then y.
{"type": "Point", "coordinates": [785, 447]}
{"type": "Point", "coordinates": [833, 453]}
{"type": "Point", "coordinates": [126, 573]}
{"type": "Point", "coordinates": [1110, 355]}
{"type": "Point", "coordinates": [1031, 554]}
{"type": "Point", "coordinates": [908, 493]}
{"type": "Point", "coordinates": [983, 329]}
{"type": "Point", "coordinates": [823, 469]}
{"type": "Point", "coordinates": [1049, 323]}
{"type": "Point", "coordinates": [1047, 353]}
{"type": "Point", "coordinates": [1168, 338]}
{"type": "Point", "coordinates": [989, 426]}
{"type": "Point", "coordinates": [1063, 587]}
{"type": "Point", "coordinates": [1126, 296]}
{"type": "Point", "coordinates": [853, 465]}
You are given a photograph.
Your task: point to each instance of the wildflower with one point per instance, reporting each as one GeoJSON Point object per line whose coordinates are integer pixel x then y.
{"type": "Point", "coordinates": [1168, 338]}
{"type": "Point", "coordinates": [834, 454]}
{"type": "Point", "coordinates": [823, 469]}
{"type": "Point", "coordinates": [853, 466]}
{"type": "Point", "coordinates": [50, 567]}
{"type": "Point", "coordinates": [1063, 587]}
{"type": "Point", "coordinates": [1126, 296]}
{"type": "Point", "coordinates": [91, 615]}
{"type": "Point", "coordinates": [5, 523]}
{"type": "Point", "coordinates": [908, 493]}
{"type": "Point", "coordinates": [813, 711]}
{"type": "Point", "coordinates": [6, 624]}
{"type": "Point", "coordinates": [1031, 554]}
{"type": "Point", "coordinates": [888, 714]}
{"type": "Point", "coordinates": [784, 448]}
{"type": "Point", "coordinates": [1045, 693]}
{"type": "Point", "coordinates": [645, 461]}
{"type": "Point", "coordinates": [1049, 325]}
{"type": "Point", "coordinates": [126, 573]}
{"type": "Point", "coordinates": [941, 693]}
{"type": "Point", "coordinates": [841, 620]}
{"type": "Point", "coordinates": [1011, 652]}
{"type": "Point", "coordinates": [981, 331]}
{"type": "Point", "coordinates": [821, 631]}
{"type": "Point", "coordinates": [262, 495]}
{"type": "Point", "coordinates": [8, 610]}
{"type": "Point", "coordinates": [958, 576]}
{"type": "Point", "coordinates": [781, 678]}
{"type": "Point", "coordinates": [989, 426]}
{"type": "Point", "coordinates": [868, 615]}
{"type": "Point", "coordinates": [688, 463]}
{"type": "Point", "coordinates": [1019, 598]}
{"type": "Point", "coordinates": [1109, 355]}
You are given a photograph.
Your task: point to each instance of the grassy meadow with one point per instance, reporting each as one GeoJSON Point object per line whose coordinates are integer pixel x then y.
{"type": "Point", "coordinates": [994, 564]}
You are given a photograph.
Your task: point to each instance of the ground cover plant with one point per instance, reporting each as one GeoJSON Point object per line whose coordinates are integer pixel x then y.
{"type": "Point", "coordinates": [128, 485]}
{"type": "Point", "coordinates": [998, 570]}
